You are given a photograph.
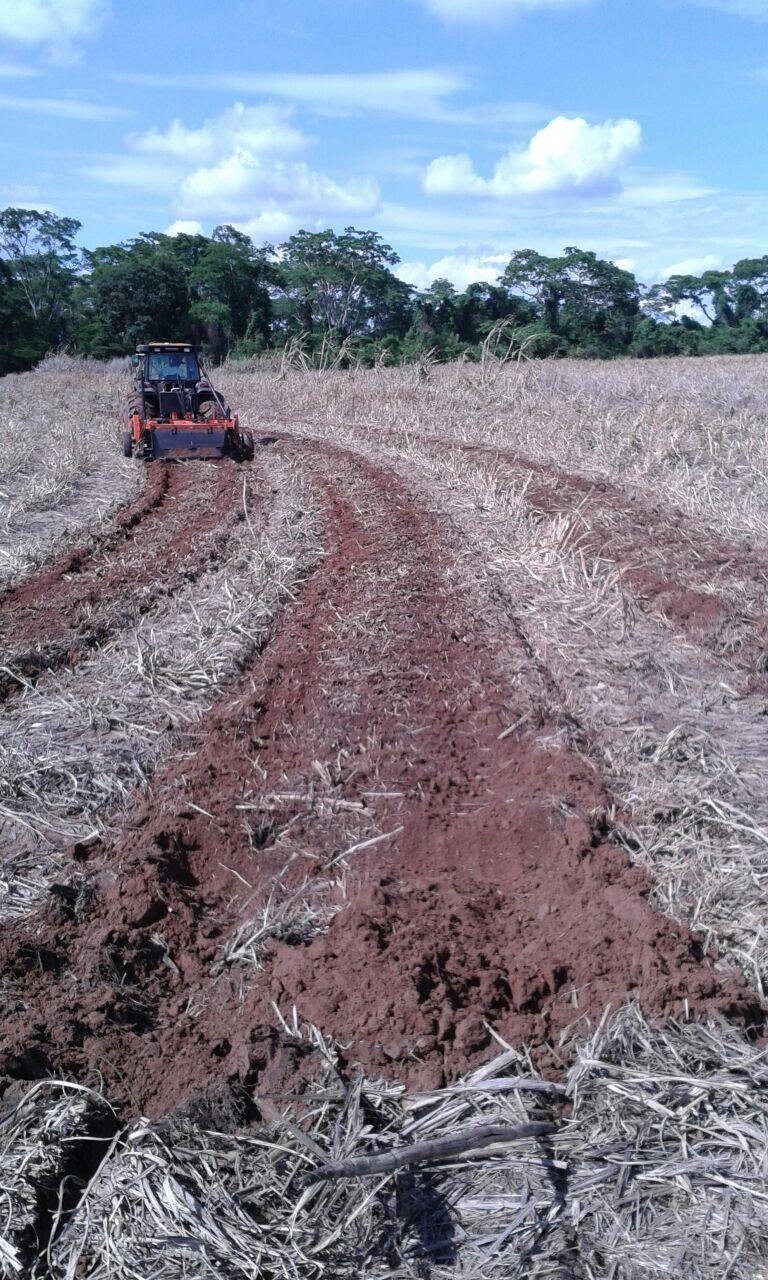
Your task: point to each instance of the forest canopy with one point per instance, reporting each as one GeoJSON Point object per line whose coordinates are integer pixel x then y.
{"type": "Point", "coordinates": [331, 292]}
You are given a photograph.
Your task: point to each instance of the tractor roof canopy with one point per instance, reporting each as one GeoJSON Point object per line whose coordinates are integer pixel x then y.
{"type": "Point", "coordinates": [146, 347]}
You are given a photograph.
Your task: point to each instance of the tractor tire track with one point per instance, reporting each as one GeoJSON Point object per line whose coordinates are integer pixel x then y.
{"type": "Point", "coordinates": [495, 895]}
{"type": "Point", "coordinates": [166, 537]}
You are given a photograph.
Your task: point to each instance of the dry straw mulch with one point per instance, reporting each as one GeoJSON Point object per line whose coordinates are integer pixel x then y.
{"type": "Point", "coordinates": [656, 1166]}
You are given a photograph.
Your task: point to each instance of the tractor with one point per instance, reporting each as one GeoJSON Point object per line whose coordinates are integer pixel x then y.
{"type": "Point", "coordinates": [174, 412]}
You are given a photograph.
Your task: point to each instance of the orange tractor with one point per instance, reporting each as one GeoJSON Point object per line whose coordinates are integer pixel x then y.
{"type": "Point", "coordinates": [174, 411]}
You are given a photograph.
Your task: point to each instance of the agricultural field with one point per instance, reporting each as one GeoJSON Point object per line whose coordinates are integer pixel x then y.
{"type": "Point", "coordinates": [400, 795]}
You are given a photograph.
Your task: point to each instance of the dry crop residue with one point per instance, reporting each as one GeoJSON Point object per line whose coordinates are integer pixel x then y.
{"type": "Point", "coordinates": [157, 541]}
{"type": "Point", "coordinates": [679, 572]}
{"type": "Point", "coordinates": [377, 757]}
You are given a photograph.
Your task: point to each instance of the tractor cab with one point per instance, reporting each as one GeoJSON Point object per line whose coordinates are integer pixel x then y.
{"type": "Point", "coordinates": [171, 364]}
{"type": "Point", "coordinates": [168, 383]}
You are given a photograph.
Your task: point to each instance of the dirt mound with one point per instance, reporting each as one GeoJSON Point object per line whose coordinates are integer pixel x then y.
{"type": "Point", "coordinates": [411, 974]}
{"type": "Point", "coordinates": [495, 895]}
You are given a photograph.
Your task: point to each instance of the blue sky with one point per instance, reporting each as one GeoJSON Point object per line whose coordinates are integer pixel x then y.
{"type": "Point", "coordinates": [460, 129]}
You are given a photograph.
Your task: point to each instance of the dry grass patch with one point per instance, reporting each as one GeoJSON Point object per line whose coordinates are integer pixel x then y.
{"type": "Point", "coordinates": [61, 472]}
{"type": "Point", "coordinates": [657, 1167]}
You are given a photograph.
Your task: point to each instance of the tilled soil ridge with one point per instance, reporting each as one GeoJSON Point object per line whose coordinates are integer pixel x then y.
{"type": "Point", "coordinates": [87, 595]}
{"type": "Point", "coordinates": [492, 892]}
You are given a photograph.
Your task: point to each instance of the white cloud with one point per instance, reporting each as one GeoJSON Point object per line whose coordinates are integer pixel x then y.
{"type": "Point", "coordinates": [240, 166]}
{"type": "Point", "coordinates": [156, 176]}
{"type": "Point", "coordinates": [16, 71]}
{"type": "Point", "coordinates": [182, 227]}
{"type": "Point", "coordinates": [63, 108]}
{"type": "Point", "coordinates": [493, 10]}
{"type": "Point", "coordinates": [454, 176]}
{"type": "Point", "coordinates": [26, 195]}
{"type": "Point", "coordinates": [644, 190]}
{"type": "Point", "coordinates": [567, 155]}
{"type": "Point", "coordinates": [461, 270]}
{"type": "Point", "coordinates": [276, 225]}
{"type": "Point", "coordinates": [261, 129]}
{"type": "Point", "coordinates": [692, 266]}
{"type": "Point", "coordinates": [57, 24]}
{"type": "Point", "coordinates": [419, 93]}
{"type": "Point", "coordinates": [232, 187]}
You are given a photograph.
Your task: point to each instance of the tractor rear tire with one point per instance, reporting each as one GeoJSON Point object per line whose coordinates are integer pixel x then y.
{"type": "Point", "coordinates": [126, 444]}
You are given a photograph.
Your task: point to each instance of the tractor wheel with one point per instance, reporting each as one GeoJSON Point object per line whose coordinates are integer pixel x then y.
{"type": "Point", "coordinates": [126, 444]}
{"type": "Point", "coordinates": [144, 449]}
{"type": "Point", "coordinates": [246, 446]}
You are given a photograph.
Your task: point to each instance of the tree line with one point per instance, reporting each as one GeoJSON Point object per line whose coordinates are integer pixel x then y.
{"type": "Point", "coordinates": [336, 296]}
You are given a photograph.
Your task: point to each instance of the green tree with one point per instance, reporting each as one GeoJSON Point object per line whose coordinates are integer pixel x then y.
{"type": "Point", "coordinates": [710, 293]}
{"type": "Point", "coordinates": [587, 300]}
{"type": "Point", "coordinates": [436, 322]}
{"type": "Point", "coordinates": [343, 285]}
{"type": "Point", "coordinates": [661, 338]}
{"type": "Point", "coordinates": [541, 280]}
{"type": "Point", "coordinates": [750, 288]}
{"type": "Point", "coordinates": [41, 264]}
{"type": "Point", "coordinates": [482, 305]}
{"type": "Point", "coordinates": [20, 342]}
{"type": "Point", "coordinates": [229, 292]}
{"type": "Point", "coordinates": [133, 293]}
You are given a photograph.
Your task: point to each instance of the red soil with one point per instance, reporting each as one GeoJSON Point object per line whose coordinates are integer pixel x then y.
{"type": "Point", "coordinates": [498, 897]}
{"type": "Point", "coordinates": [90, 593]}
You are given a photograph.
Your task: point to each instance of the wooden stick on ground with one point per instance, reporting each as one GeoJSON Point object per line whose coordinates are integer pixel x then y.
{"type": "Point", "coordinates": [430, 1152]}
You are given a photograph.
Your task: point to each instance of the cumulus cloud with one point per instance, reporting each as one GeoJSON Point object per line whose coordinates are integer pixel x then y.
{"type": "Point", "coordinates": [481, 11]}
{"type": "Point", "coordinates": [57, 24]}
{"type": "Point", "coordinates": [260, 129]}
{"type": "Point", "coordinates": [241, 166]}
{"type": "Point", "coordinates": [276, 225]}
{"type": "Point", "coordinates": [184, 227]}
{"type": "Point", "coordinates": [454, 176]}
{"type": "Point", "coordinates": [244, 179]}
{"type": "Point", "coordinates": [567, 155]}
{"type": "Point", "coordinates": [462, 270]}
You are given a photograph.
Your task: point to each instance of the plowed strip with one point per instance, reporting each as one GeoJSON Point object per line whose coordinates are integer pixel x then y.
{"type": "Point", "coordinates": [675, 569]}
{"type": "Point", "coordinates": [88, 594]}
{"type": "Point", "coordinates": [494, 896]}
